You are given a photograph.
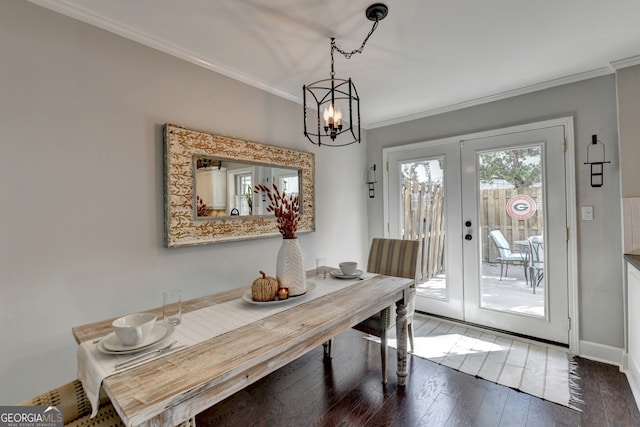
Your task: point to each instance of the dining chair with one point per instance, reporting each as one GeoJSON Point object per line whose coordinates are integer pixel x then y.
{"type": "Point", "coordinates": [76, 409]}
{"type": "Point", "coordinates": [391, 257]}
{"type": "Point", "coordinates": [506, 255]}
{"type": "Point", "coordinates": [536, 263]}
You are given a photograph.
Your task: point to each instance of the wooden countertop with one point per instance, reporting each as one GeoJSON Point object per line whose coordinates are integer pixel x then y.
{"type": "Point", "coordinates": [633, 260]}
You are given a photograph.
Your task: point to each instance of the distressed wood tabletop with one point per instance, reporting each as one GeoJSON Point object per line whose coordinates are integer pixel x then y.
{"type": "Point", "coordinates": [172, 389]}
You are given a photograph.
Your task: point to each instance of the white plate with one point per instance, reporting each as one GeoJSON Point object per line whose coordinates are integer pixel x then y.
{"type": "Point", "coordinates": [111, 344]}
{"type": "Point", "coordinates": [137, 350]}
{"type": "Point", "coordinates": [247, 297]}
{"type": "Point", "coordinates": [340, 275]}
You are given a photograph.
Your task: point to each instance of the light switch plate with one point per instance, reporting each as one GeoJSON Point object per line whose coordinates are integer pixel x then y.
{"type": "Point", "coordinates": [587, 213]}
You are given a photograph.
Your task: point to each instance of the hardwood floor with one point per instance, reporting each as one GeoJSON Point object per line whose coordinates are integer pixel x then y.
{"type": "Point", "coordinates": [347, 391]}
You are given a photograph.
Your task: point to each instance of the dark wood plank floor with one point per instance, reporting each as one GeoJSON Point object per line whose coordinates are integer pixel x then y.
{"type": "Point", "coordinates": [347, 391]}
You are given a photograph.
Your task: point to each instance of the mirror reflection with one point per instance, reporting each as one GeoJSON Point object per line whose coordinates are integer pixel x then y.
{"type": "Point", "coordinates": [225, 188]}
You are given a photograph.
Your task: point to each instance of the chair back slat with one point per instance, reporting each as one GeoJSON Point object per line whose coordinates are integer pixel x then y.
{"type": "Point", "coordinates": [394, 257]}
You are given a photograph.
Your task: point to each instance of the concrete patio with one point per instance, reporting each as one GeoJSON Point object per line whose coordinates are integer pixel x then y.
{"type": "Point", "coordinates": [512, 293]}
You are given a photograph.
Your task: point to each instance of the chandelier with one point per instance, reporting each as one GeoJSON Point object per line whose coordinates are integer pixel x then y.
{"type": "Point", "coordinates": [324, 123]}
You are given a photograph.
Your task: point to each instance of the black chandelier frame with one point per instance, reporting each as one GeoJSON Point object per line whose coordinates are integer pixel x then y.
{"type": "Point", "coordinates": [336, 92]}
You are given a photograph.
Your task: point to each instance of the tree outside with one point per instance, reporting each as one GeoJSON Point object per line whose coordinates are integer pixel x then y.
{"type": "Point", "coordinates": [520, 168]}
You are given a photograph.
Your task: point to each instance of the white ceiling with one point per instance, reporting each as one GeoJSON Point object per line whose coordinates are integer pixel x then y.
{"type": "Point", "coordinates": [425, 57]}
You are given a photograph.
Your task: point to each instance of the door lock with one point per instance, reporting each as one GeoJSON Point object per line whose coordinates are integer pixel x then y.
{"type": "Point", "coordinates": [468, 237]}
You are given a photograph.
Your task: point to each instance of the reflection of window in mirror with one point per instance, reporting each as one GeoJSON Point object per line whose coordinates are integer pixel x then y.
{"type": "Point", "coordinates": [239, 180]}
{"type": "Point", "coordinates": [289, 184]}
{"type": "Point", "coordinates": [244, 193]}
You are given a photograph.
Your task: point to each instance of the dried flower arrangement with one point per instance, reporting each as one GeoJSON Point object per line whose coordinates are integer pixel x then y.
{"type": "Point", "coordinates": [285, 207]}
{"type": "Point", "coordinates": [201, 207]}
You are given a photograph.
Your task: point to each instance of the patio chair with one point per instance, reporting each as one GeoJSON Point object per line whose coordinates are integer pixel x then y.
{"type": "Point", "coordinates": [391, 257]}
{"type": "Point", "coordinates": [506, 256]}
{"type": "Point", "coordinates": [76, 408]}
{"type": "Point", "coordinates": [536, 263]}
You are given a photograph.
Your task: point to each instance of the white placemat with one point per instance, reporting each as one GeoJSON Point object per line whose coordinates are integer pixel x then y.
{"type": "Point", "coordinates": [196, 326]}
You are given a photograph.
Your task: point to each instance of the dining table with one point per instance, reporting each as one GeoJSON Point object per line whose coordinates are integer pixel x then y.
{"type": "Point", "coordinates": [226, 341]}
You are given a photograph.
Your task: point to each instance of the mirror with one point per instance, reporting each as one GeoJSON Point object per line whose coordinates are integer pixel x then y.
{"type": "Point", "coordinates": [207, 178]}
{"type": "Point", "coordinates": [225, 188]}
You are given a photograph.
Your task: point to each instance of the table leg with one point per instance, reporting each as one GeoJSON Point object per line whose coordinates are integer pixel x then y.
{"type": "Point", "coordinates": [401, 335]}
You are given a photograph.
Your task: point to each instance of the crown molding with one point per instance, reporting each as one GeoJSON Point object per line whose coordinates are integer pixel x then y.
{"type": "Point", "coordinates": [100, 21]}
{"type": "Point", "coordinates": [496, 97]}
{"type": "Point", "coordinates": [84, 15]}
{"type": "Point", "coordinates": [626, 62]}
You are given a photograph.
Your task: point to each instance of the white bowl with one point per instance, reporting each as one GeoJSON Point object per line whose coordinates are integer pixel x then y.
{"type": "Point", "coordinates": [134, 328]}
{"type": "Point", "coordinates": [348, 268]}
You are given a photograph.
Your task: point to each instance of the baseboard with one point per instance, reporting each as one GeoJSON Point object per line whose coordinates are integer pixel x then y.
{"type": "Point", "coordinates": [602, 353]}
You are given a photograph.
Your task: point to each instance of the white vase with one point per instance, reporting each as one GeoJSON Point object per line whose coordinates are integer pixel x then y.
{"type": "Point", "coordinates": [290, 268]}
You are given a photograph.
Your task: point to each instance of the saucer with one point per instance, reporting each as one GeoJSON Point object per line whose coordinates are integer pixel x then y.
{"type": "Point", "coordinates": [112, 345]}
{"type": "Point", "coordinates": [338, 274]}
{"type": "Point", "coordinates": [247, 297]}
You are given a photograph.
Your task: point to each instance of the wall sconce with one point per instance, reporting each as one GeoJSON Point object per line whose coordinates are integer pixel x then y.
{"type": "Point", "coordinates": [371, 180]}
{"type": "Point", "coordinates": [597, 167]}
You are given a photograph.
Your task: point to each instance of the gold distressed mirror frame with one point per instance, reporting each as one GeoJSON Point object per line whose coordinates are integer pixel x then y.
{"type": "Point", "coordinates": [181, 145]}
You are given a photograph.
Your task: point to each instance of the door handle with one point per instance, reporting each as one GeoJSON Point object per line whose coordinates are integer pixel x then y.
{"type": "Point", "coordinates": [468, 236]}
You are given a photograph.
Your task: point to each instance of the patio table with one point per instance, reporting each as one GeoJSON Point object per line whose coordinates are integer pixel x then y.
{"type": "Point", "coordinates": [526, 249]}
{"type": "Point", "coordinates": [173, 388]}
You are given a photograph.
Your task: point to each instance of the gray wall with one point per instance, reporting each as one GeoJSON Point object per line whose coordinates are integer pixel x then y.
{"type": "Point", "coordinates": [628, 80]}
{"type": "Point", "coordinates": [81, 202]}
{"type": "Point", "coordinates": [592, 103]}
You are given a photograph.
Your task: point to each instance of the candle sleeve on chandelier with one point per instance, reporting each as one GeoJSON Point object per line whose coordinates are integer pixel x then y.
{"type": "Point", "coordinates": [328, 115]}
{"type": "Point", "coordinates": [337, 118]}
{"type": "Point", "coordinates": [332, 117]}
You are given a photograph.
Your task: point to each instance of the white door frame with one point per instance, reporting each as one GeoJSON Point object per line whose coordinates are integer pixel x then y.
{"type": "Point", "coordinates": [572, 267]}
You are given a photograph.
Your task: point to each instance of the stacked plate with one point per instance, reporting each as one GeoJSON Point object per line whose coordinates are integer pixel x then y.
{"type": "Point", "coordinates": [112, 345]}
{"type": "Point", "coordinates": [340, 275]}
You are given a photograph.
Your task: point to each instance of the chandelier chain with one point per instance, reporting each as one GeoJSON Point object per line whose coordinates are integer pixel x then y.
{"type": "Point", "coordinates": [349, 54]}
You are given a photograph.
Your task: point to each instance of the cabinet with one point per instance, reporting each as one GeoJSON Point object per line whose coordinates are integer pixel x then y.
{"type": "Point", "coordinates": [211, 186]}
{"type": "Point", "coordinates": [633, 330]}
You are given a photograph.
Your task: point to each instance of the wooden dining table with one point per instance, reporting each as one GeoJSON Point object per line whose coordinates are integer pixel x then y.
{"type": "Point", "coordinates": [176, 387]}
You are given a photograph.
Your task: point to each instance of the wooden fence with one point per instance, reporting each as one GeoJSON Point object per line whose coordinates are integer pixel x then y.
{"type": "Point", "coordinates": [423, 219]}
{"type": "Point", "coordinates": [494, 217]}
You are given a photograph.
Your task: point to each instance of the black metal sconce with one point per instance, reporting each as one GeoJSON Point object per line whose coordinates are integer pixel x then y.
{"type": "Point", "coordinates": [371, 180]}
{"type": "Point", "coordinates": [597, 167]}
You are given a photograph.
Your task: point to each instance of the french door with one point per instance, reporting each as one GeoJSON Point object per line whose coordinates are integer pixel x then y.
{"type": "Point", "coordinates": [479, 204]}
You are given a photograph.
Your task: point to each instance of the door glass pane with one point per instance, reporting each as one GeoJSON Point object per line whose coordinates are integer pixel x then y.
{"type": "Point", "coordinates": [511, 218]}
{"type": "Point", "coordinates": [422, 218]}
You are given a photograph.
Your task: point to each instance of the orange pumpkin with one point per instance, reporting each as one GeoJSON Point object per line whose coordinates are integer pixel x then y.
{"type": "Point", "coordinates": [264, 288]}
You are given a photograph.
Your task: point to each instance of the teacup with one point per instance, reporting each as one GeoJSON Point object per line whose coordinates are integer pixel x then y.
{"type": "Point", "coordinates": [134, 328]}
{"type": "Point", "coordinates": [348, 268]}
